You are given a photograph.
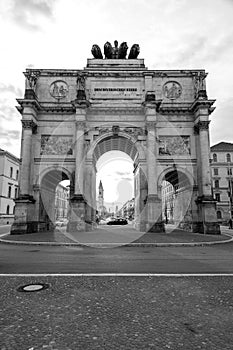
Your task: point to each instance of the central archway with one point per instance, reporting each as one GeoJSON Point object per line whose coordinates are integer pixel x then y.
{"type": "Point", "coordinates": [129, 145]}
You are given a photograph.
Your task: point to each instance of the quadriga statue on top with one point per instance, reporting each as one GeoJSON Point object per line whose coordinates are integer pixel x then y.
{"type": "Point", "coordinates": [115, 52]}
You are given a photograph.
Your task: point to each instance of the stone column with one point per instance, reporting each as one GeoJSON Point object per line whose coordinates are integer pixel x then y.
{"type": "Point", "coordinates": [78, 212]}
{"type": "Point", "coordinates": [25, 216]}
{"type": "Point", "coordinates": [207, 206]}
{"type": "Point", "coordinates": [154, 203]}
{"type": "Point", "coordinates": [24, 183]}
{"type": "Point", "coordinates": [203, 128]}
{"type": "Point", "coordinates": [79, 158]}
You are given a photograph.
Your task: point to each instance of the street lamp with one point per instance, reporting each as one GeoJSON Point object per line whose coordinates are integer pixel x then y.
{"type": "Point", "coordinates": [230, 190]}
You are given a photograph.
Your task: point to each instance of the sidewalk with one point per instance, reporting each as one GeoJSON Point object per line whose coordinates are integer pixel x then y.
{"type": "Point", "coordinates": [110, 236]}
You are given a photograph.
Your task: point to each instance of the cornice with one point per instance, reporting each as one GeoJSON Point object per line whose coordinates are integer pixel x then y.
{"type": "Point", "coordinates": [199, 103]}
{"type": "Point", "coordinates": [116, 110]}
{"type": "Point", "coordinates": [28, 103]}
{"type": "Point", "coordinates": [54, 159]}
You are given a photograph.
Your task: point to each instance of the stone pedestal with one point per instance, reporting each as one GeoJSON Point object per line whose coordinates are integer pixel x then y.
{"type": "Point", "coordinates": [154, 206]}
{"type": "Point", "coordinates": [24, 214]}
{"type": "Point", "coordinates": [209, 224]}
{"type": "Point", "coordinates": [77, 221]}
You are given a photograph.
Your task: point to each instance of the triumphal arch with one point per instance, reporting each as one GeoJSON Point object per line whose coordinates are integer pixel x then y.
{"type": "Point", "coordinates": [160, 118]}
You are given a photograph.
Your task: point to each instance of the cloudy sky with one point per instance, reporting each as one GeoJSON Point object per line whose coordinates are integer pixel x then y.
{"type": "Point", "coordinates": [172, 34]}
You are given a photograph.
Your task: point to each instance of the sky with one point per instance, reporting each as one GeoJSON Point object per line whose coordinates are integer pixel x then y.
{"type": "Point", "coordinates": [172, 34]}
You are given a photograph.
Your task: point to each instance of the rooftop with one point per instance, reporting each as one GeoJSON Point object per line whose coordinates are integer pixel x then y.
{"type": "Point", "coordinates": [6, 153]}
{"type": "Point", "coordinates": [222, 147]}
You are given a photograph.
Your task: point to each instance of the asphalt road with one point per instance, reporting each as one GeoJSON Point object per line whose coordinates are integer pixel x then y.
{"type": "Point", "coordinates": [4, 229]}
{"type": "Point", "coordinates": [112, 313]}
{"type": "Point", "coordinates": [45, 259]}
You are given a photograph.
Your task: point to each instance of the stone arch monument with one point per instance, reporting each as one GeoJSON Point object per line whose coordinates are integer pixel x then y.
{"type": "Point", "coordinates": [70, 117]}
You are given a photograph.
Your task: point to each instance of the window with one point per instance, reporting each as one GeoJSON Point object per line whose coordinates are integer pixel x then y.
{"type": "Point", "coordinates": [17, 174]}
{"type": "Point", "coordinates": [11, 171]}
{"type": "Point", "coordinates": [9, 192]}
{"type": "Point", "coordinates": [228, 157]}
{"type": "Point", "coordinates": [219, 214]}
{"type": "Point", "coordinates": [216, 183]}
{"type": "Point", "coordinates": [15, 192]}
{"type": "Point", "coordinates": [215, 158]}
{"type": "Point", "coordinates": [215, 171]}
{"type": "Point", "coordinates": [229, 171]}
{"type": "Point", "coordinates": [8, 210]}
{"type": "Point", "coordinates": [217, 197]}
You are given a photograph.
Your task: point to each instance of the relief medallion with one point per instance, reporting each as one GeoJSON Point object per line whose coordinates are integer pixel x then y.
{"type": "Point", "coordinates": [172, 90]}
{"type": "Point", "coordinates": [59, 89]}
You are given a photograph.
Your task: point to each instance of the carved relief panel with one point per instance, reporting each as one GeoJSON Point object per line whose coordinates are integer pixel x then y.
{"type": "Point", "coordinates": [174, 145]}
{"type": "Point", "coordinates": [56, 145]}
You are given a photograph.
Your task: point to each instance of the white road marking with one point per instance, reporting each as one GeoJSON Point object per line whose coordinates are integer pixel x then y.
{"type": "Point", "coordinates": [116, 275]}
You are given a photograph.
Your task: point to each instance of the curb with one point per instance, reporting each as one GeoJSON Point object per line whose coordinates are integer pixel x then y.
{"type": "Point", "coordinates": [117, 245]}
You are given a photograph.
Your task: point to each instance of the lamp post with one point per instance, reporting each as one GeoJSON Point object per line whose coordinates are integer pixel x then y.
{"type": "Point", "coordinates": [230, 190]}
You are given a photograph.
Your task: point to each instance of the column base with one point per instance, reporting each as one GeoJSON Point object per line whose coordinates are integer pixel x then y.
{"type": "Point", "coordinates": [140, 226]}
{"type": "Point", "coordinates": [211, 228]}
{"type": "Point", "coordinates": [78, 213]}
{"type": "Point", "coordinates": [24, 215]}
{"type": "Point", "coordinates": [156, 227]}
{"type": "Point", "coordinates": [21, 228]}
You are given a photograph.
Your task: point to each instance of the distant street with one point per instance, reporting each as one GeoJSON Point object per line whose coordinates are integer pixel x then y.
{"type": "Point", "coordinates": [61, 259]}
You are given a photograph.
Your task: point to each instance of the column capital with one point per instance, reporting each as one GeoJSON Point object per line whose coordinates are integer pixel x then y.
{"type": "Point", "coordinates": [201, 125]}
{"type": "Point", "coordinates": [29, 124]}
{"type": "Point", "coordinates": [80, 125]}
{"type": "Point", "coordinates": [150, 125]}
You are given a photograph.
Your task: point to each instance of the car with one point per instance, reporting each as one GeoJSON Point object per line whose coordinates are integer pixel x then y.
{"type": "Point", "coordinates": [61, 223]}
{"type": "Point", "coordinates": [118, 221]}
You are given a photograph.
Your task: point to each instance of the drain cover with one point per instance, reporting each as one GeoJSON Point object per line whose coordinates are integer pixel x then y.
{"type": "Point", "coordinates": [34, 287]}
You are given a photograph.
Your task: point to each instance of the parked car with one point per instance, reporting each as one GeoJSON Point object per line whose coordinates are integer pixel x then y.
{"type": "Point", "coordinates": [61, 223]}
{"type": "Point", "coordinates": [118, 221]}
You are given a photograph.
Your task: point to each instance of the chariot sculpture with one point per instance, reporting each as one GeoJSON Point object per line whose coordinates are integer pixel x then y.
{"type": "Point", "coordinates": [115, 52]}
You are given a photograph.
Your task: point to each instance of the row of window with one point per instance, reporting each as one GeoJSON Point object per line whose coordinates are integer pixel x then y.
{"type": "Point", "coordinates": [11, 173]}
{"type": "Point", "coordinates": [228, 157]}
{"type": "Point", "coordinates": [229, 171]}
{"type": "Point", "coordinates": [230, 184]}
{"type": "Point", "coordinates": [8, 210]}
{"type": "Point", "coordinates": [10, 192]}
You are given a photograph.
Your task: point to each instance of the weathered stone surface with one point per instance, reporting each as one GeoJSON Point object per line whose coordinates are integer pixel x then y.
{"type": "Point", "coordinates": [69, 116]}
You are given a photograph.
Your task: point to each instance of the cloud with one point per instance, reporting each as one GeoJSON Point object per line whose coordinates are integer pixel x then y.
{"type": "Point", "coordinates": [5, 88]}
{"type": "Point", "coordinates": [25, 13]}
{"type": "Point", "coordinates": [122, 173]}
{"type": "Point", "coordinates": [127, 178]}
{"type": "Point", "coordinates": [222, 116]}
{"type": "Point", "coordinates": [15, 134]}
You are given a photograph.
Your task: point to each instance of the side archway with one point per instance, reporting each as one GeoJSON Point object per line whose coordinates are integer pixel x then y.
{"type": "Point", "coordinates": [176, 192]}
{"type": "Point", "coordinates": [48, 181]}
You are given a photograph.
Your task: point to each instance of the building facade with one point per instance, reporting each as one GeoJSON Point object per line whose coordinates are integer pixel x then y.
{"type": "Point", "coordinates": [222, 179]}
{"type": "Point", "coordinates": [9, 176]}
{"type": "Point", "coordinates": [160, 118]}
{"type": "Point", "coordinates": [168, 202]}
{"type": "Point", "coordinates": [127, 210]}
{"type": "Point", "coordinates": [61, 202]}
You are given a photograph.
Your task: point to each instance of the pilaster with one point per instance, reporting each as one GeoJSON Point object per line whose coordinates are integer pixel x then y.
{"type": "Point", "coordinates": [78, 203]}
{"type": "Point", "coordinates": [153, 202]}
{"type": "Point", "coordinates": [207, 221]}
